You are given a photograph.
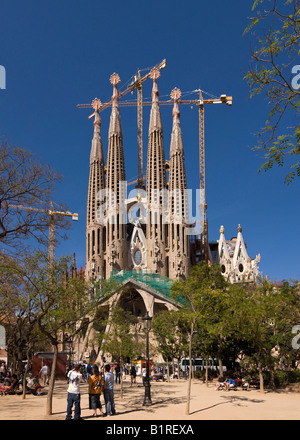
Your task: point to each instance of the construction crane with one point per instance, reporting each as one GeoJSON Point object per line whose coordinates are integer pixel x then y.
{"type": "Point", "coordinates": [52, 213]}
{"type": "Point", "coordinates": [136, 83]}
{"type": "Point", "coordinates": [200, 102]}
{"type": "Point", "coordinates": [223, 99]}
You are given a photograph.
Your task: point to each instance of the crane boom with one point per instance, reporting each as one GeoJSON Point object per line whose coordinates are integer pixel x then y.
{"type": "Point", "coordinates": [51, 212]}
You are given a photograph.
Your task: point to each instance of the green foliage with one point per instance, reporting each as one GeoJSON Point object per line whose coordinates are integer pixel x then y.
{"type": "Point", "coordinates": [166, 328]}
{"type": "Point", "coordinates": [276, 53]}
{"type": "Point", "coordinates": [120, 341]}
{"type": "Point", "coordinates": [286, 377]}
{"type": "Point", "coordinates": [226, 321]}
{"type": "Point", "coordinates": [39, 293]}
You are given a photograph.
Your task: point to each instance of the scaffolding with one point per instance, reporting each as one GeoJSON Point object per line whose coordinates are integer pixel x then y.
{"type": "Point", "coordinates": [155, 281]}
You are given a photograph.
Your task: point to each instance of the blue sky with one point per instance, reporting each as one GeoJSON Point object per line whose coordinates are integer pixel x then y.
{"type": "Point", "coordinates": [61, 53]}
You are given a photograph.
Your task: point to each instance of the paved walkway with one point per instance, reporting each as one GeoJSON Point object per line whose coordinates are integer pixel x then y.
{"type": "Point", "coordinates": [168, 403]}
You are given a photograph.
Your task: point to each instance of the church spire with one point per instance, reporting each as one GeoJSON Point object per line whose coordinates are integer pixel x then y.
{"type": "Point", "coordinates": [155, 184]}
{"type": "Point", "coordinates": [116, 247]}
{"type": "Point", "coordinates": [94, 231]}
{"type": "Point", "coordinates": [179, 241]}
{"type": "Point", "coordinates": [156, 164]}
{"type": "Point", "coordinates": [97, 148]}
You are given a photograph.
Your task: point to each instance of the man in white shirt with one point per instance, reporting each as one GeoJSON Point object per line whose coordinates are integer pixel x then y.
{"type": "Point", "coordinates": [75, 377]}
{"type": "Point", "coordinates": [45, 371]}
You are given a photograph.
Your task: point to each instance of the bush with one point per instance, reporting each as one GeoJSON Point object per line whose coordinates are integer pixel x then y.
{"type": "Point", "coordinates": [285, 377]}
{"type": "Point", "coordinates": [199, 374]}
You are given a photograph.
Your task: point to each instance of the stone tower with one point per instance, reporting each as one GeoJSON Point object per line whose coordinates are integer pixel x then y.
{"type": "Point", "coordinates": [179, 243]}
{"type": "Point", "coordinates": [94, 230]}
{"type": "Point", "coordinates": [156, 186]}
{"type": "Point", "coordinates": [116, 215]}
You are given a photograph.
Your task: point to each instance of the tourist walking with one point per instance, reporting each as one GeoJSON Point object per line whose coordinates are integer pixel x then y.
{"type": "Point", "coordinates": [118, 373]}
{"type": "Point", "coordinates": [132, 374]}
{"type": "Point", "coordinates": [109, 391]}
{"type": "Point", "coordinates": [96, 383]}
{"type": "Point", "coordinates": [89, 372]}
{"type": "Point", "coordinates": [74, 377]}
{"type": "Point", "coordinates": [45, 372]}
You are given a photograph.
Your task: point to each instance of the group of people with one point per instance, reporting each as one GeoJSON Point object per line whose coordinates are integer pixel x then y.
{"type": "Point", "coordinates": [98, 383]}
{"type": "Point", "coordinates": [231, 383]}
{"type": "Point", "coordinates": [10, 384]}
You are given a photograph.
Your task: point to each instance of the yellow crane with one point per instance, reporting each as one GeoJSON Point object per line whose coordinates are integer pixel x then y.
{"type": "Point", "coordinates": [223, 99]}
{"type": "Point", "coordinates": [52, 213]}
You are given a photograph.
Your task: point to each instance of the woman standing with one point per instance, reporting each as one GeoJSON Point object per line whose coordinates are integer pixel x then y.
{"type": "Point", "coordinates": [95, 390]}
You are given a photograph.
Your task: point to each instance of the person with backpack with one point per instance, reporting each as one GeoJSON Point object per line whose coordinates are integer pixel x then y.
{"type": "Point", "coordinates": [95, 389]}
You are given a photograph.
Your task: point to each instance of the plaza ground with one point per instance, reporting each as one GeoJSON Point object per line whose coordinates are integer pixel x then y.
{"type": "Point", "coordinates": [168, 403]}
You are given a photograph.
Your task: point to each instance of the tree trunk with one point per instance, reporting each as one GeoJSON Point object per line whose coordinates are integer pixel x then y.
{"type": "Point", "coordinates": [272, 378]}
{"type": "Point", "coordinates": [261, 379]}
{"type": "Point", "coordinates": [85, 341]}
{"type": "Point", "coordinates": [25, 375]}
{"type": "Point", "coordinates": [121, 373]}
{"type": "Point", "coordinates": [52, 381]}
{"type": "Point", "coordinates": [187, 411]}
{"type": "Point", "coordinates": [168, 370]}
{"type": "Point", "coordinates": [19, 365]}
{"type": "Point", "coordinates": [221, 372]}
{"type": "Point", "coordinates": [206, 372]}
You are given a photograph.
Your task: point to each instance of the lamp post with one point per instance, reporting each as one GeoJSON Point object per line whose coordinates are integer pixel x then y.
{"type": "Point", "coordinates": [147, 326]}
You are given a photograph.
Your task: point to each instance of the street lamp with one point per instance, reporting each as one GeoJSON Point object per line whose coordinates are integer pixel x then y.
{"type": "Point", "coordinates": [147, 326]}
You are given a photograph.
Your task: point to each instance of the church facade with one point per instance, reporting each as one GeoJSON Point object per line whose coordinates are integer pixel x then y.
{"type": "Point", "coordinates": [146, 232]}
{"type": "Point", "coordinates": [143, 240]}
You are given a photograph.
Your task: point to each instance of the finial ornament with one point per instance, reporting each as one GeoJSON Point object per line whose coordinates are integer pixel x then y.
{"type": "Point", "coordinates": [155, 73]}
{"type": "Point", "coordinates": [114, 79]}
{"type": "Point", "coordinates": [96, 104]}
{"type": "Point", "coordinates": [222, 230]}
{"type": "Point", "coordinates": [239, 228]}
{"type": "Point", "coordinates": [175, 94]}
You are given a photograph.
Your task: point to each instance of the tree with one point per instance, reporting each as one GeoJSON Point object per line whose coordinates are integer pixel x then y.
{"type": "Point", "coordinates": [290, 316]}
{"type": "Point", "coordinates": [26, 188]}
{"type": "Point", "coordinates": [165, 327]}
{"type": "Point", "coordinates": [194, 297]}
{"type": "Point", "coordinates": [276, 27]}
{"type": "Point", "coordinates": [120, 341]}
{"type": "Point", "coordinates": [52, 307]}
{"type": "Point", "coordinates": [264, 315]}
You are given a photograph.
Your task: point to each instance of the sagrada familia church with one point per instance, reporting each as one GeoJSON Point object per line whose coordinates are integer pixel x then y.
{"type": "Point", "coordinates": [143, 240]}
